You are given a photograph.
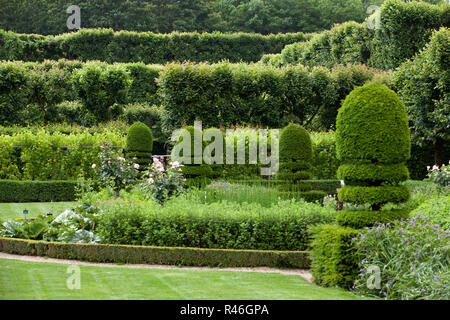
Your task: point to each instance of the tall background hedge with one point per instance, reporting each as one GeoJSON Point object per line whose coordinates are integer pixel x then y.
{"type": "Point", "coordinates": [405, 28]}
{"type": "Point", "coordinates": [128, 46]}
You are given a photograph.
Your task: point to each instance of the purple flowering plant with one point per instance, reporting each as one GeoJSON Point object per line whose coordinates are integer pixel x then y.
{"type": "Point", "coordinates": [413, 256]}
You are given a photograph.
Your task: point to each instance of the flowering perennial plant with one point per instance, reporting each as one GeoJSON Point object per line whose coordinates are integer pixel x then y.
{"type": "Point", "coordinates": [413, 256]}
{"type": "Point", "coordinates": [163, 183]}
{"type": "Point", "coordinates": [440, 175]}
{"type": "Point", "coordinates": [115, 171]}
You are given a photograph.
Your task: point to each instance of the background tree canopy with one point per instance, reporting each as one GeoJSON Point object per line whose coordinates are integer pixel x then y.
{"type": "Point", "coordinates": [48, 17]}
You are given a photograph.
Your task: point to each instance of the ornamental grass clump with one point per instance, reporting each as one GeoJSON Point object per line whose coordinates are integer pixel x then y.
{"type": "Point", "coordinates": [413, 258]}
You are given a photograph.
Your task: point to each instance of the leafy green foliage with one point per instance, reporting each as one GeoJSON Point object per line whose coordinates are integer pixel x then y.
{"type": "Point", "coordinates": [188, 223]}
{"type": "Point", "coordinates": [74, 225]}
{"type": "Point", "coordinates": [373, 125]}
{"type": "Point", "coordinates": [100, 86]}
{"type": "Point", "coordinates": [373, 173]}
{"type": "Point", "coordinates": [436, 210]}
{"type": "Point", "coordinates": [158, 255]}
{"type": "Point", "coordinates": [140, 139]}
{"type": "Point", "coordinates": [423, 84]}
{"type": "Point", "coordinates": [52, 155]}
{"type": "Point", "coordinates": [374, 194]}
{"type": "Point", "coordinates": [108, 46]}
{"type": "Point", "coordinates": [373, 142]}
{"type": "Point", "coordinates": [405, 28]}
{"type": "Point", "coordinates": [295, 144]}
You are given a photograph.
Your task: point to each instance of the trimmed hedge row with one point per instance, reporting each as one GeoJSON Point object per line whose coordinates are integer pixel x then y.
{"type": "Point", "coordinates": [37, 191]}
{"type": "Point", "coordinates": [127, 46]}
{"type": "Point", "coordinates": [157, 255]}
{"type": "Point", "coordinates": [406, 26]}
{"type": "Point", "coordinates": [223, 94]}
{"type": "Point", "coordinates": [224, 225]}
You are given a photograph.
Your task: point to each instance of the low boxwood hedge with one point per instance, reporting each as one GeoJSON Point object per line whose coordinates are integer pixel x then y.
{"type": "Point", "coordinates": [37, 191]}
{"type": "Point", "coordinates": [157, 255]}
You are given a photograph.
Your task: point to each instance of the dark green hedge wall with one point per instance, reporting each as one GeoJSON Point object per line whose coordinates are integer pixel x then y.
{"type": "Point", "coordinates": [127, 46]}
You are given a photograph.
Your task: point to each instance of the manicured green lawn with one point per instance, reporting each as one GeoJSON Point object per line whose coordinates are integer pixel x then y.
{"type": "Point", "coordinates": [15, 210]}
{"type": "Point", "coordinates": [41, 280]}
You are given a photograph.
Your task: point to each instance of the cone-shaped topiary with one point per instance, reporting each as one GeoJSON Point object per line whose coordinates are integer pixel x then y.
{"type": "Point", "coordinates": [140, 144]}
{"type": "Point", "coordinates": [373, 143]}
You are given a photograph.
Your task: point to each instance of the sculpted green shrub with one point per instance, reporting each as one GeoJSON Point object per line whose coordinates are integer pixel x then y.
{"type": "Point", "coordinates": [140, 144]}
{"type": "Point", "coordinates": [373, 142]}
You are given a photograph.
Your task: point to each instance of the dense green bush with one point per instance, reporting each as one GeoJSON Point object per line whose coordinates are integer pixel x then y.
{"type": "Point", "coordinates": [139, 140]}
{"type": "Point", "coordinates": [37, 191]}
{"type": "Point", "coordinates": [162, 16]}
{"type": "Point", "coordinates": [405, 28]}
{"type": "Point", "coordinates": [150, 48]}
{"type": "Point", "coordinates": [221, 95]}
{"type": "Point", "coordinates": [373, 126]}
{"type": "Point", "coordinates": [373, 143]}
{"type": "Point", "coordinates": [15, 89]}
{"type": "Point", "coordinates": [188, 223]}
{"type": "Point", "coordinates": [324, 162]}
{"type": "Point", "coordinates": [345, 43]}
{"type": "Point", "coordinates": [334, 261]}
{"type": "Point", "coordinates": [295, 154]}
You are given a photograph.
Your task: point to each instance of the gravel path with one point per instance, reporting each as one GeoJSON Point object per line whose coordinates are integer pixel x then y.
{"type": "Point", "coordinates": [303, 273]}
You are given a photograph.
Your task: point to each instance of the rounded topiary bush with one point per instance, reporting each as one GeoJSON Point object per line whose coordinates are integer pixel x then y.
{"type": "Point", "coordinates": [140, 144]}
{"type": "Point", "coordinates": [295, 154]}
{"type": "Point", "coordinates": [372, 125]}
{"type": "Point", "coordinates": [295, 144]}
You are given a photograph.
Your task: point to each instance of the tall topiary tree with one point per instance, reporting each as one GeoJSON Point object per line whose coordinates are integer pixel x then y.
{"type": "Point", "coordinates": [140, 144]}
{"type": "Point", "coordinates": [373, 143]}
